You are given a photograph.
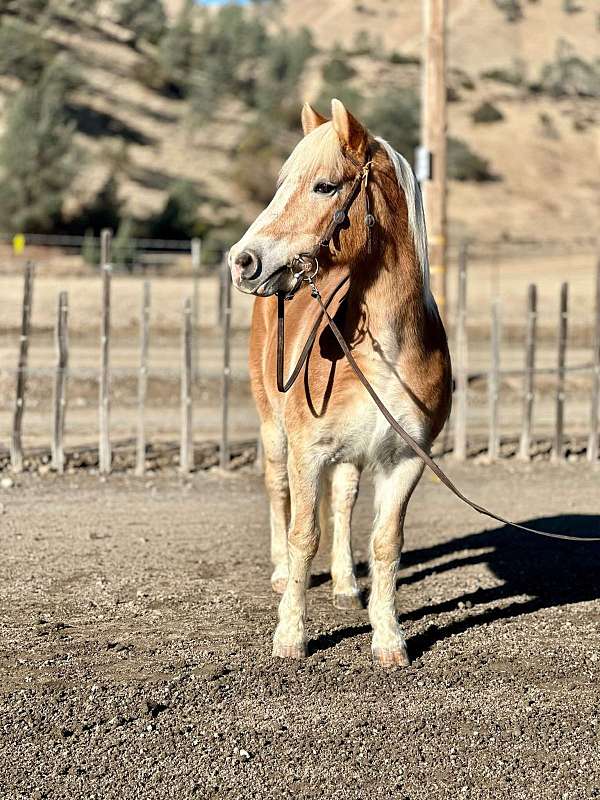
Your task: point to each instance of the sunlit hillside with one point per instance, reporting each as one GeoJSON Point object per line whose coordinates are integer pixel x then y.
{"type": "Point", "coordinates": [533, 67]}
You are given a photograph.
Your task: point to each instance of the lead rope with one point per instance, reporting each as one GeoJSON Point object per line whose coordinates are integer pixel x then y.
{"type": "Point", "coordinates": [414, 445]}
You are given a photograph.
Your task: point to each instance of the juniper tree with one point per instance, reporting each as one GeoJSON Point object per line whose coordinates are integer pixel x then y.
{"type": "Point", "coordinates": [145, 18]}
{"type": "Point", "coordinates": [38, 154]}
{"type": "Point", "coordinates": [177, 47]}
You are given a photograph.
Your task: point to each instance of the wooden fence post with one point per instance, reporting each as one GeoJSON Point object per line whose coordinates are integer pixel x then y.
{"type": "Point", "coordinates": [558, 449]}
{"type": "Point", "coordinates": [529, 374]}
{"type": "Point", "coordinates": [186, 450]}
{"type": "Point", "coordinates": [592, 448]}
{"type": "Point", "coordinates": [460, 371]}
{"type": "Point", "coordinates": [224, 451]}
{"type": "Point", "coordinates": [104, 451]}
{"type": "Point", "coordinates": [16, 444]}
{"type": "Point", "coordinates": [494, 385]}
{"type": "Point", "coordinates": [196, 267]}
{"type": "Point", "coordinates": [140, 459]}
{"type": "Point", "coordinates": [224, 279]}
{"type": "Point", "coordinates": [59, 398]}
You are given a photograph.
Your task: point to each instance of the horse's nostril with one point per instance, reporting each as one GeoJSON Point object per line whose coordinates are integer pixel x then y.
{"type": "Point", "coordinates": [249, 264]}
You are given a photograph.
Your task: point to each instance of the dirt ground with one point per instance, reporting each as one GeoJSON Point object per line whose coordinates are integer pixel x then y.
{"type": "Point", "coordinates": [135, 626]}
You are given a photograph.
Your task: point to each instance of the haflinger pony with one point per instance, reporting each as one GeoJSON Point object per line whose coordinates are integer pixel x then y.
{"type": "Point", "coordinates": [347, 211]}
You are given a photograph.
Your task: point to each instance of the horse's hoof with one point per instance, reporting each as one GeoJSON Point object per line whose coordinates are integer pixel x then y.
{"type": "Point", "coordinates": [289, 650]}
{"type": "Point", "coordinates": [279, 585]}
{"type": "Point", "coordinates": [348, 602]}
{"type": "Point", "coordinates": [391, 658]}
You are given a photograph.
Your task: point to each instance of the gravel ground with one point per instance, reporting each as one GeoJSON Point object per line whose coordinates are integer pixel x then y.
{"type": "Point", "coordinates": [135, 625]}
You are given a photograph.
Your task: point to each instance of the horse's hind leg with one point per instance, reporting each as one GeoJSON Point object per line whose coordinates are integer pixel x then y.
{"type": "Point", "coordinates": [303, 541]}
{"type": "Point", "coordinates": [276, 481]}
{"type": "Point", "coordinates": [344, 490]}
{"type": "Point", "coordinates": [393, 490]}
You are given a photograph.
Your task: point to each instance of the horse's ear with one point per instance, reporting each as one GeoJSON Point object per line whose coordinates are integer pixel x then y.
{"type": "Point", "coordinates": [349, 130]}
{"type": "Point", "coordinates": [311, 119]}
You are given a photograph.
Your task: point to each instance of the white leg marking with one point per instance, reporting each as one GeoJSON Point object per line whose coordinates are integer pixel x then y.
{"type": "Point", "coordinates": [344, 490]}
{"type": "Point", "coordinates": [276, 481]}
{"type": "Point", "coordinates": [392, 493]}
{"type": "Point", "coordinates": [303, 540]}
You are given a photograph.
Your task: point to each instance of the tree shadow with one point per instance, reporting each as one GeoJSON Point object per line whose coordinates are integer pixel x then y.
{"type": "Point", "coordinates": [536, 573]}
{"type": "Point", "coordinates": [98, 124]}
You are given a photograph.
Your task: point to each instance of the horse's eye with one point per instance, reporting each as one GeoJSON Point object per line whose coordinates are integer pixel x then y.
{"type": "Point", "coordinates": [324, 187]}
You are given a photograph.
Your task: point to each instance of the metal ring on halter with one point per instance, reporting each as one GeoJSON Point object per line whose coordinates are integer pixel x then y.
{"type": "Point", "coordinates": [306, 262]}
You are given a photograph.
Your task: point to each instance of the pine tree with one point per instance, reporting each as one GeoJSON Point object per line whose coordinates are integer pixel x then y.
{"type": "Point", "coordinates": [104, 211]}
{"type": "Point", "coordinates": [179, 219]}
{"type": "Point", "coordinates": [145, 18]}
{"type": "Point", "coordinates": [123, 251]}
{"type": "Point", "coordinates": [24, 52]}
{"type": "Point", "coordinates": [38, 155]}
{"type": "Point", "coordinates": [177, 47]}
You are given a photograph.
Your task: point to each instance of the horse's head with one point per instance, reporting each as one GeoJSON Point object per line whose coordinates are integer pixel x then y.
{"type": "Point", "coordinates": [314, 182]}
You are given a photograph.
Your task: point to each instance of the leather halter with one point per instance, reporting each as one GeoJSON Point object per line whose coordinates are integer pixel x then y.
{"type": "Point", "coordinates": [305, 268]}
{"type": "Point", "coordinates": [304, 264]}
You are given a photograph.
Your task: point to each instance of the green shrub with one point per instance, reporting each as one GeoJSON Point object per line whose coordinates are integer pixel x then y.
{"type": "Point", "coordinates": [512, 77]}
{"type": "Point", "coordinates": [337, 70]}
{"type": "Point", "coordinates": [177, 48]}
{"type": "Point", "coordinates": [396, 57]}
{"type": "Point", "coordinates": [511, 9]}
{"type": "Point", "coordinates": [465, 165]}
{"type": "Point", "coordinates": [569, 74]}
{"type": "Point", "coordinates": [486, 113]}
{"type": "Point", "coordinates": [24, 52]}
{"type": "Point", "coordinates": [179, 217]}
{"type": "Point", "coordinates": [104, 211]}
{"type": "Point", "coordinates": [395, 115]}
{"type": "Point", "coordinates": [276, 94]}
{"type": "Point", "coordinates": [361, 43]}
{"type": "Point", "coordinates": [123, 249]}
{"type": "Point", "coordinates": [145, 18]}
{"type": "Point", "coordinates": [257, 163]}
{"type": "Point", "coordinates": [38, 154]}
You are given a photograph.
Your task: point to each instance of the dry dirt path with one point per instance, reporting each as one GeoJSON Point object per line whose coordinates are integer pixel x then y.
{"type": "Point", "coordinates": [135, 624]}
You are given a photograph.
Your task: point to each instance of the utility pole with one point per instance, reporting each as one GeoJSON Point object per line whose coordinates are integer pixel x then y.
{"type": "Point", "coordinates": [433, 135]}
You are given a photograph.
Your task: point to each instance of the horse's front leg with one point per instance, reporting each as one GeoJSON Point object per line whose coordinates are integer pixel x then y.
{"type": "Point", "coordinates": [304, 472]}
{"type": "Point", "coordinates": [393, 489]}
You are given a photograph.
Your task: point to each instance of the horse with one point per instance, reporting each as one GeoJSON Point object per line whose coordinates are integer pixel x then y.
{"type": "Point", "coordinates": [325, 431]}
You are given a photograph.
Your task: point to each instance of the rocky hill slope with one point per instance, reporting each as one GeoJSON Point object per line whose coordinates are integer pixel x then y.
{"type": "Point", "coordinates": [524, 59]}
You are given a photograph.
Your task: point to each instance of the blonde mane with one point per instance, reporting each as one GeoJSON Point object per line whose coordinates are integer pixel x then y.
{"type": "Point", "coordinates": [416, 214]}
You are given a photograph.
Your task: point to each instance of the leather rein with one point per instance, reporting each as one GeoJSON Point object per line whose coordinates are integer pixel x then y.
{"type": "Point", "coordinates": [304, 267]}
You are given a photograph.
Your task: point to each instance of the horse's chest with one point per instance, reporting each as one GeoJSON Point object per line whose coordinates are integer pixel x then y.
{"type": "Point", "coordinates": [359, 433]}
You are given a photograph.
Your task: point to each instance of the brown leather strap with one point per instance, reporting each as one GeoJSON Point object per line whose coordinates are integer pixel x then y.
{"type": "Point", "coordinates": [282, 385]}
{"type": "Point", "coordinates": [414, 446]}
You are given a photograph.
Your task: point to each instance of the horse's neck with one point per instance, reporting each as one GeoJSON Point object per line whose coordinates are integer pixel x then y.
{"type": "Point", "coordinates": [391, 298]}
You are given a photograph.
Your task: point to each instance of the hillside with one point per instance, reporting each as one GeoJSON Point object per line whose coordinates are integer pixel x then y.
{"type": "Point", "coordinates": [544, 151]}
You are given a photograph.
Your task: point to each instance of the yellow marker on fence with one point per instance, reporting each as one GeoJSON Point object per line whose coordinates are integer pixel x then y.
{"type": "Point", "coordinates": [18, 244]}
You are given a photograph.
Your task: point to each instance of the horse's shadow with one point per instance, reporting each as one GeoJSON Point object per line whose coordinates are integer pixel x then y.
{"type": "Point", "coordinates": [536, 573]}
